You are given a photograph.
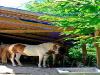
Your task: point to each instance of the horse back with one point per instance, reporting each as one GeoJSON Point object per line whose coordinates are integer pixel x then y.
{"type": "Point", "coordinates": [32, 50]}
{"type": "Point", "coordinates": [16, 48]}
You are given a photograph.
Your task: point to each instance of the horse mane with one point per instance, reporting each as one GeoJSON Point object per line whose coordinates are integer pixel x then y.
{"type": "Point", "coordinates": [18, 46]}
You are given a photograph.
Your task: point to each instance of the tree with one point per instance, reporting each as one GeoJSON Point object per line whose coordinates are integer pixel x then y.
{"type": "Point", "coordinates": [82, 15]}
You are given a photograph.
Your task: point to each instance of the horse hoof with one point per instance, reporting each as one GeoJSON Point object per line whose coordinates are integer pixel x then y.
{"type": "Point", "coordinates": [21, 65]}
{"type": "Point", "coordinates": [44, 66]}
{"type": "Point", "coordinates": [14, 65]}
{"type": "Point", "coordinates": [39, 66]}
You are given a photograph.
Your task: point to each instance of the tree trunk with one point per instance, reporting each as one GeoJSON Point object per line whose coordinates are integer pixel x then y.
{"type": "Point", "coordinates": [84, 53]}
{"type": "Point", "coordinates": [97, 33]}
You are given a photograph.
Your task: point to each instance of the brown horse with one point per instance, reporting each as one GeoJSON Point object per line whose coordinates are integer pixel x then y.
{"type": "Point", "coordinates": [42, 50]}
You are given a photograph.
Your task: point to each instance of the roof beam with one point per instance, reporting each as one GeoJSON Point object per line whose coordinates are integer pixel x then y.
{"type": "Point", "coordinates": [10, 25]}
{"type": "Point", "coordinates": [26, 31]}
{"type": "Point", "coordinates": [19, 13]}
{"type": "Point", "coordinates": [32, 24]}
{"type": "Point", "coordinates": [32, 36]}
{"type": "Point", "coordinates": [21, 38]}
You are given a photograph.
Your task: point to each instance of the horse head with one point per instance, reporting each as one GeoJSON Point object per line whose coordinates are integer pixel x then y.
{"type": "Point", "coordinates": [56, 47]}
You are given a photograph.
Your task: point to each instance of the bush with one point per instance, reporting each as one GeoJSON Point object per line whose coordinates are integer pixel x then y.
{"type": "Point", "coordinates": [91, 56]}
{"type": "Point", "coordinates": [75, 55]}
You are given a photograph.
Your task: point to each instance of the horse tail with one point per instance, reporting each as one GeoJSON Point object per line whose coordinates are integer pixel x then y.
{"type": "Point", "coordinates": [0, 53]}
{"type": "Point", "coordinates": [4, 55]}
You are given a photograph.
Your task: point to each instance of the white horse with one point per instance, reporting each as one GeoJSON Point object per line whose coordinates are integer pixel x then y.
{"type": "Point", "coordinates": [41, 50]}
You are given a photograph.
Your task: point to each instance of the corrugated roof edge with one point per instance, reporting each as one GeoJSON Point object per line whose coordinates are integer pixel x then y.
{"type": "Point", "coordinates": [21, 10]}
{"type": "Point", "coordinates": [26, 12]}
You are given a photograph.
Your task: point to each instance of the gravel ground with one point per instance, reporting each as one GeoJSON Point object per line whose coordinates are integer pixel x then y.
{"type": "Point", "coordinates": [10, 70]}
{"type": "Point", "coordinates": [28, 70]}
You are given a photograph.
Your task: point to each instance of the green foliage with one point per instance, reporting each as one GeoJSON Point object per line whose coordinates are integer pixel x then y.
{"type": "Point", "coordinates": [91, 55]}
{"type": "Point", "coordinates": [75, 53]}
{"type": "Point", "coordinates": [82, 15]}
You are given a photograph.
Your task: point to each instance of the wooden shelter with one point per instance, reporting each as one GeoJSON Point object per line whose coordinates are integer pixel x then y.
{"type": "Point", "coordinates": [26, 25]}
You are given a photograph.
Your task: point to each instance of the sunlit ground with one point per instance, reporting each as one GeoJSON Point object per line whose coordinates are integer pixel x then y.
{"type": "Point", "coordinates": [5, 69]}
{"type": "Point", "coordinates": [26, 70]}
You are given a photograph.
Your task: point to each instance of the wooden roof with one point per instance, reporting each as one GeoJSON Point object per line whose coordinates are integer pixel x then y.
{"type": "Point", "coordinates": [25, 25]}
{"type": "Point", "coordinates": [11, 19]}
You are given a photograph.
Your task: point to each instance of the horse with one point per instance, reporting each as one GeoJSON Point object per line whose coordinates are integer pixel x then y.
{"type": "Point", "coordinates": [42, 50]}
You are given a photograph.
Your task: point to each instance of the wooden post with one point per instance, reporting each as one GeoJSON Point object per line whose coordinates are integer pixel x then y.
{"type": "Point", "coordinates": [97, 33]}
{"type": "Point", "coordinates": [84, 53]}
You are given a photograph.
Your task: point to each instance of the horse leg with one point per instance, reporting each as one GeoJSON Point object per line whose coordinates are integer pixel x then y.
{"type": "Point", "coordinates": [44, 60]}
{"type": "Point", "coordinates": [12, 59]}
{"type": "Point", "coordinates": [17, 58]}
{"type": "Point", "coordinates": [4, 55]}
{"type": "Point", "coordinates": [54, 56]}
{"type": "Point", "coordinates": [40, 61]}
{"type": "Point", "coordinates": [4, 60]}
